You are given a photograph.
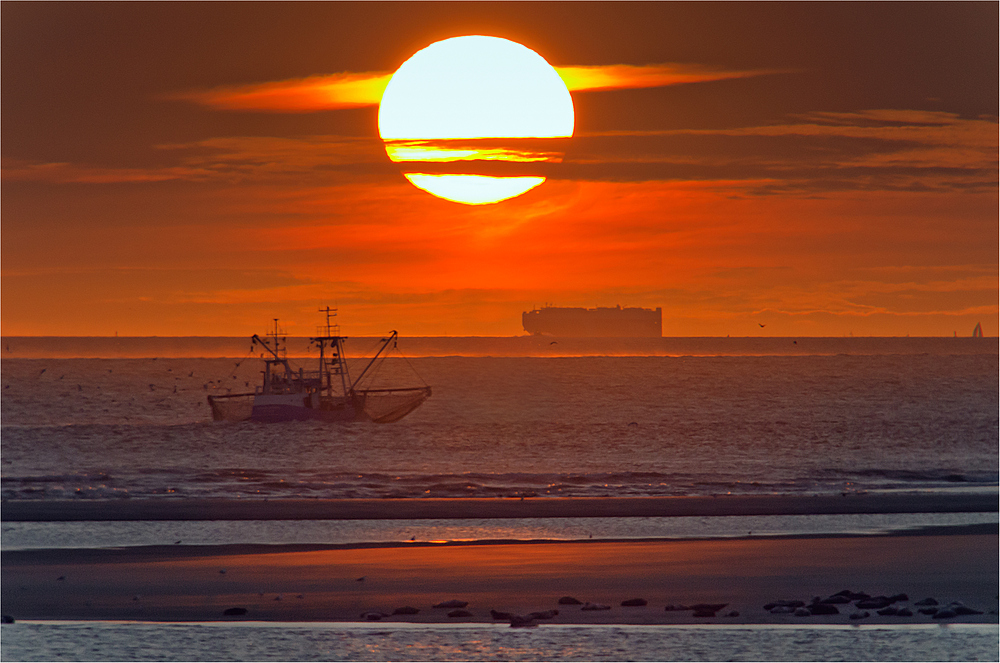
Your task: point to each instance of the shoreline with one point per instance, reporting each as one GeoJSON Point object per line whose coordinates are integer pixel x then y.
{"type": "Point", "coordinates": [329, 584]}
{"type": "Point", "coordinates": [164, 551]}
{"type": "Point", "coordinates": [487, 508]}
{"type": "Point", "coordinates": [160, 552]}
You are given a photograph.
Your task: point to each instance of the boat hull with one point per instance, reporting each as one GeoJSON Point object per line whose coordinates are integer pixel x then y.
{"type": "Point", "coordinates": [296, 407]}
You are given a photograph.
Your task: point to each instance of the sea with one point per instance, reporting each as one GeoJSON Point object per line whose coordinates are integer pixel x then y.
{"type": "Point", "coordinates": [128, 419]}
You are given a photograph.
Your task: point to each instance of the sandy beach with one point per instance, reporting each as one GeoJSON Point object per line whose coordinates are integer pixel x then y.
{"type": "Point", "coordinates": [333, 584]}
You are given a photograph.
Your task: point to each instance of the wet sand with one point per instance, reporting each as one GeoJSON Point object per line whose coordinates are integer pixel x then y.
{"type": "Point", "coordinates": [317, 583]}
{"type": "Point", "coordinates": [536, 507]}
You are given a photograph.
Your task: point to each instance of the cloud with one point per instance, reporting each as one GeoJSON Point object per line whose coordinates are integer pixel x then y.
{"type": "Point", "coordinates": [298, 95]}
{"type": "Point", "coordinates": [885, 149]}
{"type": "Point", "coordinates": [813, 154]}
{"type": "Point", "coordinates": [354, 90]}
{"type": "Point", "coordinates": [625, 76]}
{"type": "Point", "coordinates": [24, 171]}
{"type": "Point", "coordinates": [232, 159]}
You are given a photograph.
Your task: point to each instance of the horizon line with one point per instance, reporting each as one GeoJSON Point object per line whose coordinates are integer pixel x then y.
{"type": "Point", "coordinates": [540, 336]}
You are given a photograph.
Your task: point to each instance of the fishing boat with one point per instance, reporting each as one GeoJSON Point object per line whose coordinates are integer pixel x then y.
{"type": "Point", "coordinates": [327, 394]}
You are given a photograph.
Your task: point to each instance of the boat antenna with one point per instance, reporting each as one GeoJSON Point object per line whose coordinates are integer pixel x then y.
{"type": "Point", "coordinates": [332, 329]}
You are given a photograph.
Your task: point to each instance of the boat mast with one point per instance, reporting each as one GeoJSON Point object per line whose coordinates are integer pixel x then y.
{"type": "Point", "coordinates": [332, 332]}
{"type": "Point", "coordinates": [275, 353]}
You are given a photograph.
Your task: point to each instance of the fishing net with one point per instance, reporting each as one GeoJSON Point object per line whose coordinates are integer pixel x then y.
{"type": "Point", "coordinates": [384, 406]}
{"type": "Point", "coordinates": [231, 407]}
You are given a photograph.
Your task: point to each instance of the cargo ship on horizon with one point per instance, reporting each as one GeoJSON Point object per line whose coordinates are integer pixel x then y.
{"type": "Point", "coordinates": [594, 322]}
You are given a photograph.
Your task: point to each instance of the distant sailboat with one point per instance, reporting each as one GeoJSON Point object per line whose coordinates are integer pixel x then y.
{"type": "Point", "coordinates": [978, 331]}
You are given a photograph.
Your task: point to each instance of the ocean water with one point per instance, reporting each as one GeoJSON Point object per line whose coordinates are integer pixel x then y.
{"type": "Point", "coordinates": [135, 428]}
{"type": "Point", "coordinates": [109, 641]}
{"type": "Point", "coordinates": [128, 419]}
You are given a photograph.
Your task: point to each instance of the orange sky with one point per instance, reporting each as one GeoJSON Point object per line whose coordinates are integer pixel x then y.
{"type": "Point", "coordinates": [821, 168]}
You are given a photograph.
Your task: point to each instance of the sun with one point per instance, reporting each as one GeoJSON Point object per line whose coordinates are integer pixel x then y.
{"type": "Point", "coordinates": [475, 119]}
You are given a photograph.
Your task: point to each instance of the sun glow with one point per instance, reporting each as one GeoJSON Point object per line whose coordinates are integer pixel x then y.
{"type": "Point", "coordinates": [473, 87]}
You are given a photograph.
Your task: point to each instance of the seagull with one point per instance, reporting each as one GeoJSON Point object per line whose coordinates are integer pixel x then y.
{"type": "Point", "coordinates": [761, 324]}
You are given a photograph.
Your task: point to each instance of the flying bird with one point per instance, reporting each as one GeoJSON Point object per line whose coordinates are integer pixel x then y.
{"type": "Point", "coordinates": [761, 324]}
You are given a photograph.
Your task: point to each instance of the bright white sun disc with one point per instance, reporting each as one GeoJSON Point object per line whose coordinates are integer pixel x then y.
{"type": "Point", "coordinates": [473, 189]}
{"type": "Point", "coordinates": [475, 87]}
{"type": "Point", "coordinates": [481, 89]}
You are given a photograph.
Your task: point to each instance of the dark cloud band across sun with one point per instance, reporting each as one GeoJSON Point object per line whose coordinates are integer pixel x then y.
{"type": "Point", "coordinates": [352, 90]}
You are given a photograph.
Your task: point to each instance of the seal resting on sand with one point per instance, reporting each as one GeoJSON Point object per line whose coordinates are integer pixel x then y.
{"type": "Point", "coordinates": [519, 621]}
{"type": "Point", "coordinates": [595, 606]}
{"type": "Point", "coordinates": [546, 614]}
{"type": "Point", "coordinates": [961, 609]}
{"type": "Point", "coordinates": [836, 599]}
{"type": "Point", "coordinates": [783, 604]}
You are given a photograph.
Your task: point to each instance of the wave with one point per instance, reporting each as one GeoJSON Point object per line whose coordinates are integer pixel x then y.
{"type": "Point", "coordinates": [256, 482]}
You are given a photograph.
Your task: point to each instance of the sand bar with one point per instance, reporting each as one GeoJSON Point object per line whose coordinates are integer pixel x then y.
{"type": "Point", "coordinates": [313, 583]}
{"type": "Point", "coordinates": [582, 507]}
